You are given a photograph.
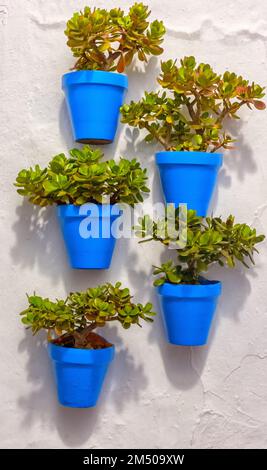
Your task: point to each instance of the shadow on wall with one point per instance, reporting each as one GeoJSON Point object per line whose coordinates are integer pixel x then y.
{"type": "Point", "coordinates": [39, 242]}
{"type": "Point", "coordinates": [75, 426]}
{"type": "Point", "coordinates": [142, 78]}
{"type": "Point", "coordinates": [236, 288]}
{"type": "Point", "coordinates": [238, 160]}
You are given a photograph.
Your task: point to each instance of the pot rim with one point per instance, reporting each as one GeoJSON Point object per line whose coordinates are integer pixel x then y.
{"type": "Point", "coordinates": [190, 158]}
{"type": "Point", "coordinates": [206, 289]}
{"type": "Point", "coordinates": [104, 210]}
{"type": "Point", "coordinates": [80, 356]}
{"type": "Point", "coordinates": [100, 77]}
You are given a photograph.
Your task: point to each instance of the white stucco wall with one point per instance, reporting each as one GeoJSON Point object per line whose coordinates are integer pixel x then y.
{"type": "Point", "coordinates": [156, 395]}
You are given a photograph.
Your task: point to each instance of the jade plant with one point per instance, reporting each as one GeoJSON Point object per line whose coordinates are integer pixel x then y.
{"type": "Point", "coordinates": [71, 322]}
{"type": "Point", "coordinates": [109, 40]}
{"type": "Point", "coordinates": [83, 178]}
{"type": "Point", "coordinates": [191, 116]}
{"type": "Point", "coordinates": [210, 240]}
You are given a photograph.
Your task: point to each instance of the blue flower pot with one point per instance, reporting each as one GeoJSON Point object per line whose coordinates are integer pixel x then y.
{"type": "Point", "coordinates": [88, 234]}
{"type": "Point", "coordinates": [189, 178]}
{"type": "Point", "coordinates": [79, 374]}
{"type": "Point", "coordinates": [94, 99]}
{"type": "Point", "coordinates": [188, 311]}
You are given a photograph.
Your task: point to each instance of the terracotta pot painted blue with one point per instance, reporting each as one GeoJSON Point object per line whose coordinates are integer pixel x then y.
{"type": "Point", "coordinates": [94, 98]}
{"type": "Point", "coordinates": [189, 178]}
{"type": "Point", "coordinates": [79, 374]}
{"type": "Point", "coordinates": [188, 311]}
{"type": "Point", "coordinates": [89, 242]}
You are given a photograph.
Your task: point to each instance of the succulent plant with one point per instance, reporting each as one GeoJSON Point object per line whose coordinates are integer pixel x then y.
{"type": "Point", "coordinates": [70, 322]}
{"type": "Point", "coordinates": [83, 178]}
{"type": "Point", "coordinates": [109, 40]}
{"type": "Point", "coordinates": [209, 240]}
{"type": "Point", "coordinates": [192, 115]}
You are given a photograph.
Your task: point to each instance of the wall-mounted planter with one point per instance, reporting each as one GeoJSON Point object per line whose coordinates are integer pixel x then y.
{"type": "Point", "coordinates": [189, 177]}
{"type": "Point", "coordinates": [88, 247]}
{"type": "Point", "coordinates": [79, 373]}
{"type": "Point", "coordinates": [94, 99]}
{"type": "Point", "coordinates": [188, 311]}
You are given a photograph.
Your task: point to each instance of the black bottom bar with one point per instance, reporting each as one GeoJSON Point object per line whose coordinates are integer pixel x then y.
{"type": "Point", "coordinates": [121, 458]}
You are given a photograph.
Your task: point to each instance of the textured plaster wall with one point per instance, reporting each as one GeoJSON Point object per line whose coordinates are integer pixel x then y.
{"type": "Point", "coordinates": [156, 395]}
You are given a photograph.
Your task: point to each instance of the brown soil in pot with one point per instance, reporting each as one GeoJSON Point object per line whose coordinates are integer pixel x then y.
{"type": "Point", "coordinates": [83, 340]}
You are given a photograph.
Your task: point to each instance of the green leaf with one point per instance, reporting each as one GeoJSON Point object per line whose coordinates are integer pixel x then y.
{"type": "Point", "coordinates": [193, 113]}
{"type": "Point", "coordinates": [210, 240]}
{"type": "Point", "coordinates": [83, 178]}
{"type": "Point", "coordinates": [74, 318]}
{"type": "Point", "coordinates": [108, 39]}
{"type": "Point", "coordinates": [159, 282]}
{"type": "Point", "coordinates": [50, 187]}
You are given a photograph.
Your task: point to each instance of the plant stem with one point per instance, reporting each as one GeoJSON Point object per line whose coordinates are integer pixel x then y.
{"type": "Point", "coordinates": [190, 108]}
{"type": "Point", "coordinates": [156, 136]}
